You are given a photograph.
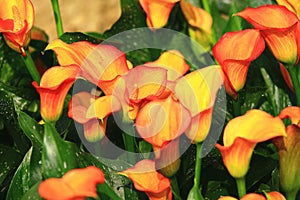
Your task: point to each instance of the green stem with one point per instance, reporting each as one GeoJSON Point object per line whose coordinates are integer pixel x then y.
{"type": "Point", "coordinates": [294, 76]}
{"type": "Point", "coordinates": [241, 186]}
{"type": "Point", "coordinates": [198, 164]}
{"type": "Point", "coordinates": [236, 107]}
{"type": "Point", "coordinates": [206, 7]}
{"type": "Point", "coordinates": [30, 65]}
{"type": "Point", "coordinates": [58, 20]}
{"type": "Point", "coordinates": [129, 143]}
{"type": "Point", "coordinates": [175, 188]}
{"type": "Point", "coordinates": [291, 195]}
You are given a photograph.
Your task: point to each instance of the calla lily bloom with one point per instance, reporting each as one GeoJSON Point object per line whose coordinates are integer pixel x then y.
{"type": "Point", "coordinates": [241, 136]}
{"type": "Point", "coordinates": [145, 178]}
{"type": "Point", "coordinates": [157, 11]}
{"type": "Point", "coordinates": [286, 76]}
{"type": "Point", "coordinates": [16, 20]}
{"type": "Point", "coordinates": [234, 52]}
{"type": "Point", "coordinates": [279, 31]}
{"type": "Point", "coordinates": [100, 64]}
{"type": "Point", "coordinates": [292, 5]}
{"type": "Point", "coordinates": [75, 184]}
{"type": "Point", "coordinates": [54, 86]}
{"type": "Point", "coordinates": [269, 196]}
{"type": "Point", "coordinates": [289, 152]}
{"type": "Point", "coordinates": [197, 92]}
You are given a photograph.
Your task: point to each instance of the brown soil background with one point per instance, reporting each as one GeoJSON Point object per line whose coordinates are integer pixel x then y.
{"type": "Point", "coordinates": [77, 15]}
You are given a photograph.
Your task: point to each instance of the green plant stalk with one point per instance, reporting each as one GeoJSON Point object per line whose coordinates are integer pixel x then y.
{"type": "Point", "coordinates": [291, 195]}
{"type": "Point", "coordinates": [175, 188]}
{"type": "Point", "coordinates": [57, 16]}
{"type": "Point", "coordinates": [129, 144]}
{"type": "Point", "coordinates": [241, 186]}
{"type": "Point", "coordinates": [294, 76]}
{"type": "Point", "coordinates": [30, 65]}
{"type": "Point", "coordinates": [206, 7]}
{"type": "Point", "coordinates": [236, 107]}
{"type": "Point", "coordinates": [198, 165]}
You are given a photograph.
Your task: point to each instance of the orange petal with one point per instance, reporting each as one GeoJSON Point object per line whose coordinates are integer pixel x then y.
{"type": "Point", "coordinates": [253, 126]}
{"type": "Point", "coordinates": [199, 126]}
{"type": "Point", "coordinates": [157, 11]}
{"type": "Point", "coordinates": [286, 77]}
{"type": "Point", "coordinates": [197, 90]}
{"type": "Point", "coordinates": [292, 112]}
{"type": "Point", "coordinates": [227, 198]}
{"type": "Point", "coordinates": [275, 196]}
{"type": "Point", "coordinates": [94, 130]}
{"type": "Point", "coordinates": [292, 5]}
{"type": "Point", "coordinates": [54, 86]}
{"type": "Point", "coordinates": [145, 178]}
{"type": "Point", "coordinates": [173, 61]}
{"type": "Point", "coordinates": [161, 121]}
{"type": "Point", "coordinates": [235, 57]}
{"type": "Point", "coordinates": [83, 181]}
{"type": "Point", "coordinates": [260, 17]}
{"type": "Point", "coordinates": [237, 156]}
{"type": "Point", "coordinates": [16, 20]}
{"type": "Point", "coordinates": [252, 196]}
{"type": "Point", "coordinates": [196, 17]}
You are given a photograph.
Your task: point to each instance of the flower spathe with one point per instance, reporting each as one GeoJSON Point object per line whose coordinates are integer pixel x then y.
{"type": "Point", "coordinates": [292, 5]}
{"type": "Point", "coordinates": [54, 86]}
{"type": "Point", "coordinates": [251, 196]}
{"type": "Point", "coordinates": [241, 135]}
{"type": "Point", "coordinates": [234, 52]}
{"type": "Point", "coordinates": [145, 178]}
{"type": "Point", "coordinates": [16, 20]}
{"type": "Point", "coordinates": [75, 184]}
{"type": "Point", "coordinates": [279, 31]}
{"type": "Point", "coordinates": [157, 11]}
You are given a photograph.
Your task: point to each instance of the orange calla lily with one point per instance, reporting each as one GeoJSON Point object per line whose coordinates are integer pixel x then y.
{"type": "Point", "coordinates": [289, 154]}
{"type": "Point", "coordinates": [75, 184]}
{"type": "Point", "coordinates": [157, 11]}
{"type": "Point", "coordinates": [161, 121]}
{"type": "Point", "coordinates": [100, 64]}
{"type": "Point", "coordinates": [234, 52]}
{"type": "Point", "coordinates": [241, 136]}
{"type": "Point", "coordinates": [16, 20]}
{"type": "Point", "coordinates": [269, 196]}
{"type": "Point", "coordinates": [292, 5]}
{"type": "Point", "coordinates": [197, 92]}
{"type": "Point", "coordinates": [54, 86]}
{"type": "Point", "coordinates": [145, 178]}
{"type": "Point", "coordinates": [279, 31]}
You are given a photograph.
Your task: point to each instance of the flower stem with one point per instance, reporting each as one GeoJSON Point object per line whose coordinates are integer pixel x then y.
{"type": "Point", "coordinates": [129, 144]}
{"type": "Point", "coordinates": [175, 188]}
{"type": "Point", "coordinates": [58, 20]}
{"type": "Point", "coordinates": [198, 165]}
{"type": "Point", "coordinates": [206, 7]}
{"type": "Point", "coordinates": [294, 76]}
{"type": "Point", "coordinates": [30, 65]}
{"type": "Point", "coordinates": [241, 186]}
{"type": "Point", "coordinates": [291, 195]}
{"type": "Point", "coordinates": [236, 107]}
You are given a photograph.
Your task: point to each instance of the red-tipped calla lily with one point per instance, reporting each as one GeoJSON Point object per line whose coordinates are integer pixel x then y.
{"type": "Point", "coordinates": [234, 52]}
{"type": "Point", "coordinates": [100, 64]}
{"type": "Point", "coordinates": [251, 196]}
{"type": "Point", "coordinates": [16, 20]}
{"type": "Point", "coordinates": [292, 5]}
{"type": "Point", "coordinates": [289, 153]}
{"type": "Point", "coordinates": [145, 178]}
{"type": "Point", "coordinates": [76, 184]}
{"type": "Point", "coordinates": [54, 86]}
{"type": "Point", "coordinates": [157, 11]}
{"type": "Point", "coordinates": [197, 92]}
{"type": "Point", "coordinates": [241, 136]}
{"type": "Point", "coordinates": [161, 121]}
{"type": "Point", "coordinates": [281, 31]}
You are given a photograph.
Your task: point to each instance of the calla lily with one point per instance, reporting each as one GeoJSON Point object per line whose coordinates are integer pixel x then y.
{"type": "Point", "coordinates": [145, 178]}
{"type": "Point", "coordinates": [197, 92]}
{"type": "Point", "coordinates": [279, 31]}
{"type": "Point", "coordinates": [16, 20]}
{"type": "Point", "coordinates": [292, 5]}
{"type": "Point", "coordinates": [75, 184]}
{"type": "Point", "coordinates": [241, 136]}
{"type": "Point", "coordinates": [54, 86]}
{"type": "Point", "coordinates": [157, 11]}
{"type": "Point", "coordinates": [289, 153]}
{"type": "Point", "coordinates": [100, 64]}
{"type": "Point", "coordinates": [286, 76]}
{"type": "Point", "coordinates": [234, 52]}
{"type": "Point", "coordinates": [269, 196]}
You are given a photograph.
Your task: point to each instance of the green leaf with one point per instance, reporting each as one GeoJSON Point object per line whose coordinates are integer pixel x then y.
{"type": "Point", "coordinates": [58, 155]}
{"type": "Point", "coordinates": [71, 37]}
{"type": "Point", "coordinates": [106, 192]}
{"type": "Point", "coordinates": [27, 175]}
{"type": "Point", "coordinates": [32, 193]}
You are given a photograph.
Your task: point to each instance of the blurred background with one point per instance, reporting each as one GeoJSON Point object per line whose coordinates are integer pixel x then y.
{"type": "Point", "coordinates": [77, 15]}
